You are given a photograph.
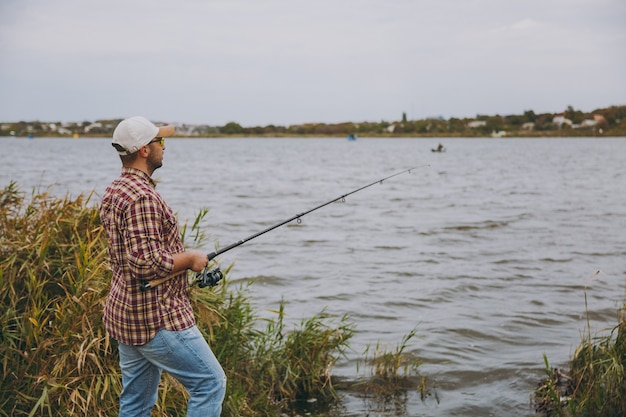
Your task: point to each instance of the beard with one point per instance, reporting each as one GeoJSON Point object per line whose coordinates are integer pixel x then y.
{"type": "Point", "coordinates": [154, 161]}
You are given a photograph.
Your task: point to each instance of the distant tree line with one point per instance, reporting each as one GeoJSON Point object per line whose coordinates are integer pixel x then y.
{"type": "Point", "coordinates": [610, 121]}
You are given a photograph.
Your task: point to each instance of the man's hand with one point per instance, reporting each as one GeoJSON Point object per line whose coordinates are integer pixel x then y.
{"type": "Point", "coordinates": [192, 259]}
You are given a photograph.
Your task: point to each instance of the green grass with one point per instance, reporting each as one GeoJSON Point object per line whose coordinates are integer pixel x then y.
{"type": "Point", "coordinates": [57, 359]}
{"type": "Point", "coordinates": [594, 384]}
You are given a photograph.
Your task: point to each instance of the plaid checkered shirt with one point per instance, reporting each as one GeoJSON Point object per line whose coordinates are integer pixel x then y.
{"type": "Point", "coordinates": [143, 234]}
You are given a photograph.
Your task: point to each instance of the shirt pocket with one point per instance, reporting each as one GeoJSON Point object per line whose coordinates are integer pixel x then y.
{"type": "Point", "coordinates": [170, 227]}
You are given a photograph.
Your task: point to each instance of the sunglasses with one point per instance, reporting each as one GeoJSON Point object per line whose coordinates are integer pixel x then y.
{"type": "Point", "coordinates": [161, 141]}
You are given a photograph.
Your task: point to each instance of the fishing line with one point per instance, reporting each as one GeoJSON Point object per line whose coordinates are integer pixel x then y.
{"type": "Point", "coordinates": [210, 278]}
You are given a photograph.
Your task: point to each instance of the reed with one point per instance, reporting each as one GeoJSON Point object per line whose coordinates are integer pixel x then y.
{"type": "Point", "coordinates": [56, 356]}
{"type": "Point", "coordinates": [386, 376]}
{"type": "Point", "coordinates": [57, 359]}
{"type": "Point", "coordinates": [389, 368]}
{"type": "Point", "coordinates": [595, 384]}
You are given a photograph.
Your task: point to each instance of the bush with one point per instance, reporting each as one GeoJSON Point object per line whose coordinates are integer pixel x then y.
{"type": "Point", "coordinates": [595, 384]}
{"type": "Point", "coordinates": [57, 359]}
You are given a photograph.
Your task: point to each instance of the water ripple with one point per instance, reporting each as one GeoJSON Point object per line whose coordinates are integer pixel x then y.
{"type": "Point", "coordinates": [488, 253]}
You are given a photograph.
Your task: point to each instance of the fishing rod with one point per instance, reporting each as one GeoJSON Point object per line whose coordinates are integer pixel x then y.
{"type": "Point", "coordinates": [210, 278]}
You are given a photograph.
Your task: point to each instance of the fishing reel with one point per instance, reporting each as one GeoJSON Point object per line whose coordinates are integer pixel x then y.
{"type": "Point", "coordinates": [208, 277]}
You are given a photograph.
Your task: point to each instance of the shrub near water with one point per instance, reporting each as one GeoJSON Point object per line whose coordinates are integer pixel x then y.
{"type": "Point", "coordinates": [57, 359]}
{"type": "Point", "coordinates": [56, 356]}
{"type": "Point", "coordinates": [595, 384]}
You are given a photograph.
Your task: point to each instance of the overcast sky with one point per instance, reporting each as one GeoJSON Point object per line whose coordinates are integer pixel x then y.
{"type": "Point", "coordinates": [260, 62]}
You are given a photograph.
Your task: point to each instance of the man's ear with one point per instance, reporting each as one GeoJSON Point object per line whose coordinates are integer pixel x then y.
{"type": "Point", "coordinates": [144, 151]}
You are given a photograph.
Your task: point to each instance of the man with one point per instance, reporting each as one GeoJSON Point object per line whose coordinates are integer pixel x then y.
{"type": "Point", "coordinates": [155, 328]}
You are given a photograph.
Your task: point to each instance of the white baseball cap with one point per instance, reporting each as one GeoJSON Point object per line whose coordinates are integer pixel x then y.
{"type": "Point", "coordinates": [133, 133]}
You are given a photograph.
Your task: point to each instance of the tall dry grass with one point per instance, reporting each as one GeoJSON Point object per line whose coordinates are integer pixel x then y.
{"type": "Point", "coordinates": [57, 359]}
{"type": "Point", "coordinates": [594, 385]}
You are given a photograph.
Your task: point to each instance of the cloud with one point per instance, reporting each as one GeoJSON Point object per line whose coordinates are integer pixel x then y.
{"type": "Point", "coordinates": [282, 62]}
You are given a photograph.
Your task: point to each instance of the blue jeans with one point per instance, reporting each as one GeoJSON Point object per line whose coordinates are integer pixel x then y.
{"type": "Point", "coordinates": [183, 354]}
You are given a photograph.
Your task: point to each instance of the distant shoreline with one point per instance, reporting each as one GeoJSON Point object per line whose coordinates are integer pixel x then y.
{"type": "Point", "coordinates": [565, 135]}
{"type": "Point", "coordinates": [606, 122]}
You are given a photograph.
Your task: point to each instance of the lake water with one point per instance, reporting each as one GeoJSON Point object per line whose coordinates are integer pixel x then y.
{"type": "Point", "coordinates": [487, 250]}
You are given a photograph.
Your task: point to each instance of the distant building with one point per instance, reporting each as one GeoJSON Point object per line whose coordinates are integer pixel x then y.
{"type": "Point", "coordinates": [588, 123]}
{"type": "Point", "coordinates": [561, 120]}
{"type": "Point", "coordinates": [92, 126]}
{"type": "Point", "coordinates": [476, 123]}
{"type": "Point", "coordinates": [598, 119]}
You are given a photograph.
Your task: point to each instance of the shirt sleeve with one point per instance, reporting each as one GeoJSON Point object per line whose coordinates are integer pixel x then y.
{"type": "Point", "coordinates": [146, 254]}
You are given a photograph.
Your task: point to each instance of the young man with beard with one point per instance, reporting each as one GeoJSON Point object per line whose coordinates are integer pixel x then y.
{"type": "Point", "coordinates": [155, 328]}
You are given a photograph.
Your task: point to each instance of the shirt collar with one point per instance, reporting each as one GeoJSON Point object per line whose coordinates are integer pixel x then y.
{"type": "Point", "coordinates": [138, 173]}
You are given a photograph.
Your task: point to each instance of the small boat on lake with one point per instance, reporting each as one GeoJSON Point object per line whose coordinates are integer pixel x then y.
{"type": "Point", "coordinates": [439, 148]}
